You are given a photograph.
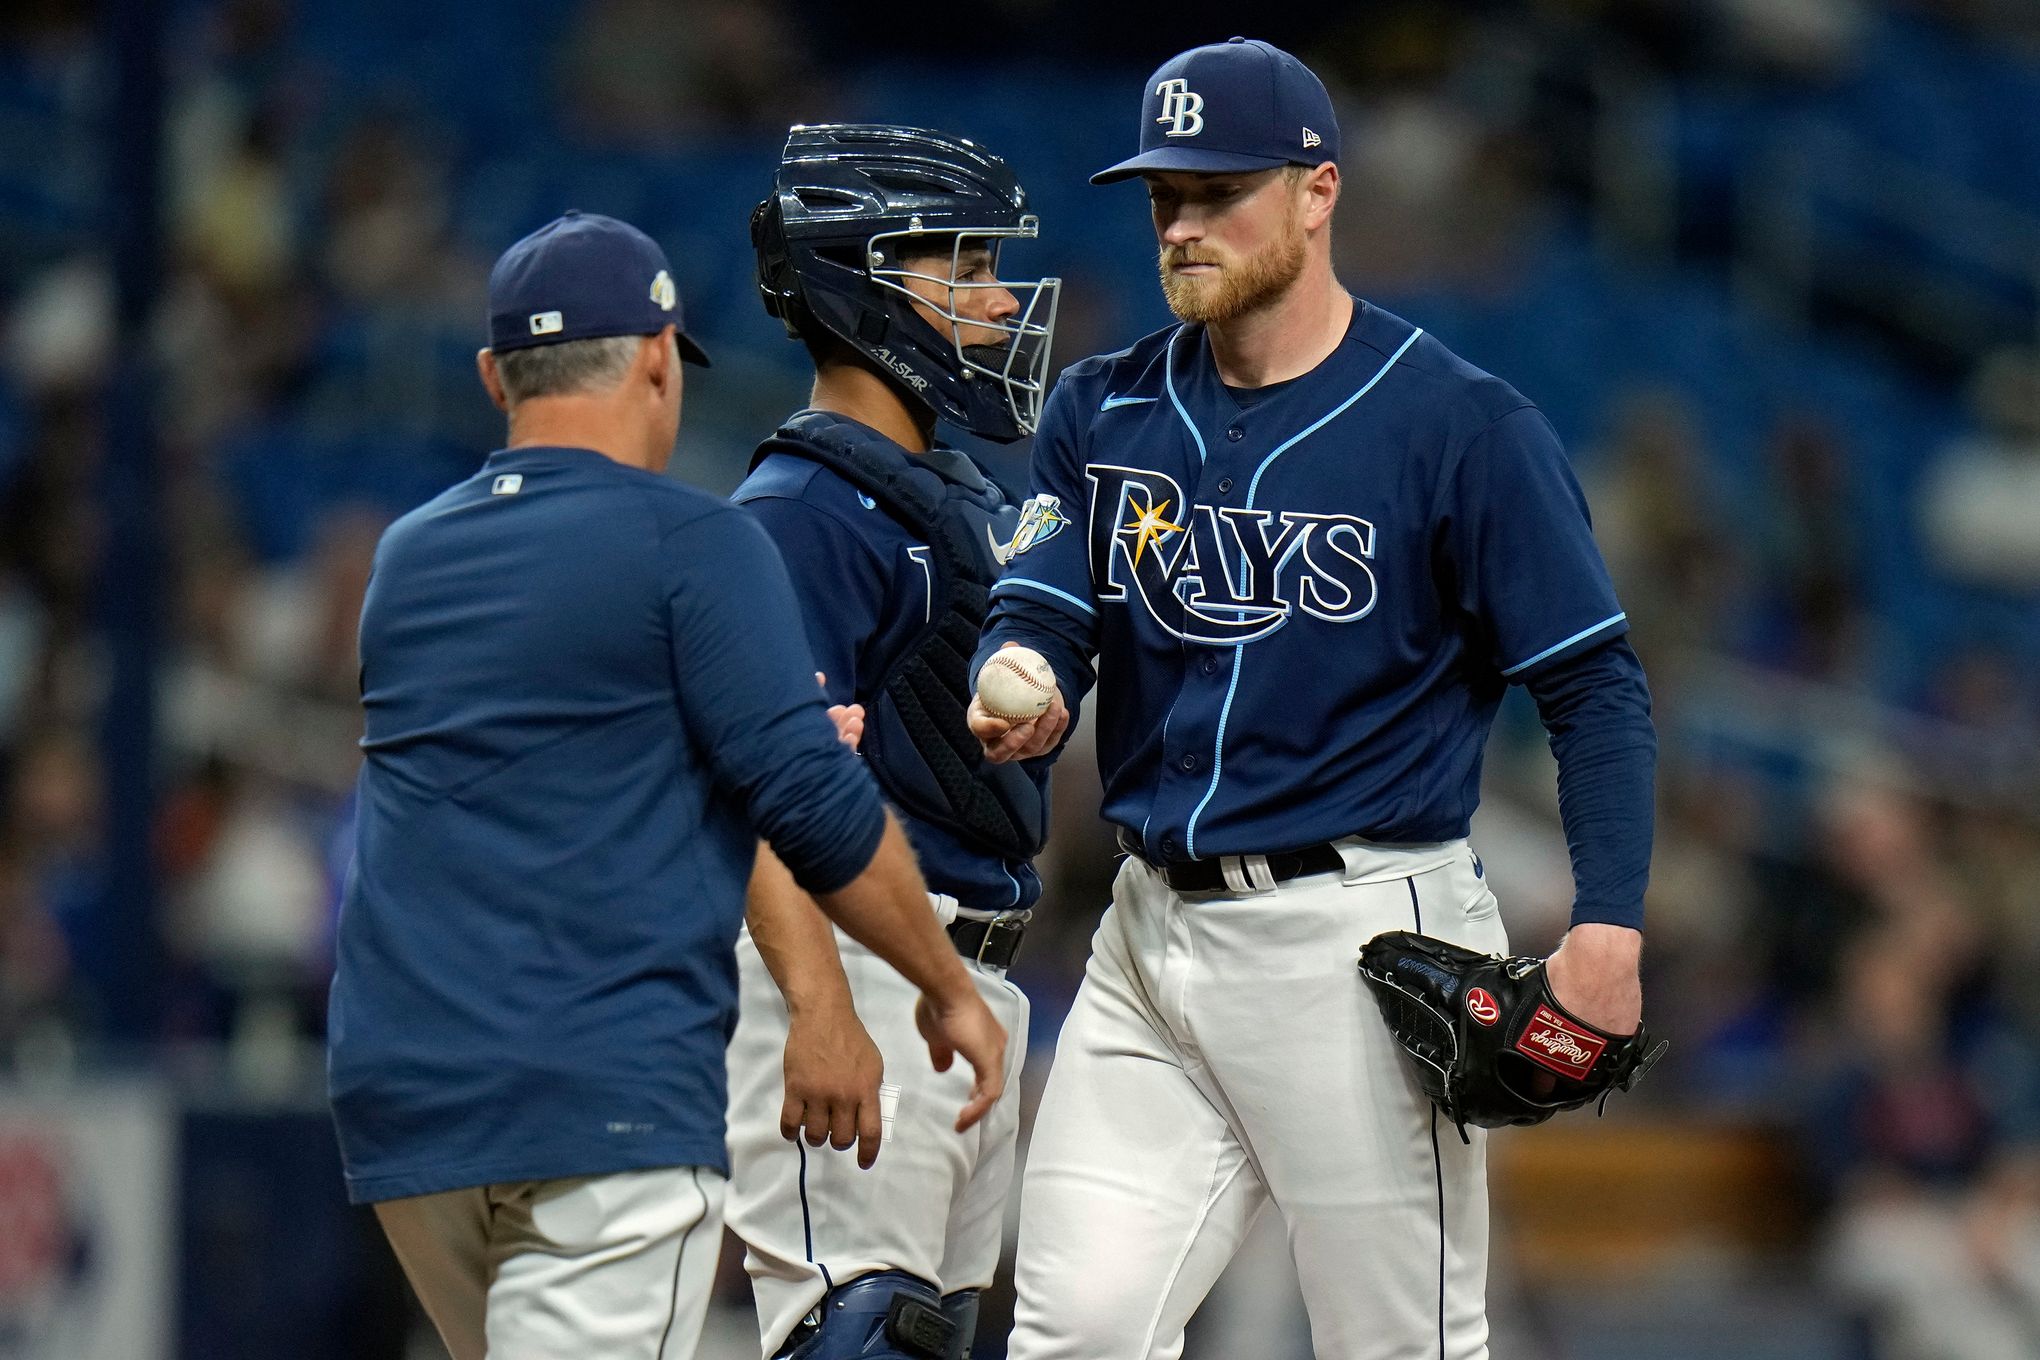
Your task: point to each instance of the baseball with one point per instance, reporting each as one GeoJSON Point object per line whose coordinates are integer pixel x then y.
{"type": "Point", "coordinates": [1016, 684]}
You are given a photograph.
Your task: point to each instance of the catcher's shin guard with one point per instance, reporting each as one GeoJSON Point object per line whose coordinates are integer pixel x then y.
{"type": "Point", "coordinates": [961, 1308]}
{"type": "Point", "coordinates": [889, 1315]}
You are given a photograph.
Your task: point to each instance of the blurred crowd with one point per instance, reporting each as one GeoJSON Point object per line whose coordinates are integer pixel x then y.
{"type": "Point", "coordinates": [1845, 906]}
{"type": "Point", "coordinates": [1845, 900]}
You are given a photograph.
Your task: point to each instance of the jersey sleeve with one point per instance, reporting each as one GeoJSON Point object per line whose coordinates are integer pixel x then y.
{"type": "Point", "coordinates": [1043, 599]}
{"type": "Point", "coordinates": [1520, 549]}
{"type": "Point", "coordinates": [838, 581]}
{"type": "Point", "coordinates": [747, 691]}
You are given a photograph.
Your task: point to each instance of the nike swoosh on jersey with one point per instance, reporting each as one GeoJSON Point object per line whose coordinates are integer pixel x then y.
{"type": "Point", "coordinates": [1112, 401]}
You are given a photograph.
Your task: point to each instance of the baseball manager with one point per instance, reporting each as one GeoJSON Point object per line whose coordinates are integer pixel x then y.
{"type": "Point", "coordinates": [588, 695]}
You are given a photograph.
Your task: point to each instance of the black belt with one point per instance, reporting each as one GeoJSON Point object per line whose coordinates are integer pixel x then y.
{"type": "Point", "coordinates": [993, 942]}
{"type": "Point", "coordinates": [1208, 875]}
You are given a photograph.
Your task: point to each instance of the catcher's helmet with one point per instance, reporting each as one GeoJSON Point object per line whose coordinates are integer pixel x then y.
{"type": "Point", "coordinates": [852, 202]}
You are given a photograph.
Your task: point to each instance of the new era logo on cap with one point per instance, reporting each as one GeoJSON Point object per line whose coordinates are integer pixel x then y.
{"type": "Point", "coordinates": [1311, 139]}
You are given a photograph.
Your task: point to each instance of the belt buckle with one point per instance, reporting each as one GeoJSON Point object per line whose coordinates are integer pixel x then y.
{"type": "Point", "coordinates": [1013, 921]}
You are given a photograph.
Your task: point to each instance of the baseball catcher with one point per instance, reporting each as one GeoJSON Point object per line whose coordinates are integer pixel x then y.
{"type": "Point", "coordinates": [1486, 1039]}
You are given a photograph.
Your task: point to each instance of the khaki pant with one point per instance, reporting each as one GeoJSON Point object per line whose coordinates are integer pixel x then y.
{"type": "Point", "coordinates": [617, 1266]}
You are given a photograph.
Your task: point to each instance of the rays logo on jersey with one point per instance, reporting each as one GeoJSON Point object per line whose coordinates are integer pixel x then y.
{"type": "Point", "coordinates": [1222, 574]}
{"type": "Point", "coordinates": [1041, 518]}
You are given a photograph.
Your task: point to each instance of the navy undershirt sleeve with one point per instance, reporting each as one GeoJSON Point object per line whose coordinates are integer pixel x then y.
{"type": "Point", "coordinates": [747, 687]}
{"type": "Point", "coordinates": [1596, 708]}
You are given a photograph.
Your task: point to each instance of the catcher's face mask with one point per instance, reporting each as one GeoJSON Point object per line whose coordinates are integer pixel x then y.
{"type": "Point", "coordinates": [998, 331]}
{"type": "Point", "coordinates": [844, 248]}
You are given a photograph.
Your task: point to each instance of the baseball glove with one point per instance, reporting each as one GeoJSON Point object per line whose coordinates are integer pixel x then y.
{"type": "Point", "coordinates": [1487, 1040]}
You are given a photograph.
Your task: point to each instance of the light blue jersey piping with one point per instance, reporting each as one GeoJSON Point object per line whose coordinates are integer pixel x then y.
{"type": "Point", "coordinates": [1232, 687]}
{"type": "Point", "coordinates": [1169, 381]}
{"type": "Point", "coordinates": [1557, 647]}
{"type": "Point", "coordinates": [1045, 589]}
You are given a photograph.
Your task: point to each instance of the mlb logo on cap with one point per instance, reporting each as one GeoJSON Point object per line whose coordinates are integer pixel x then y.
{"type": "Point", "coordinates": [1231, 107]}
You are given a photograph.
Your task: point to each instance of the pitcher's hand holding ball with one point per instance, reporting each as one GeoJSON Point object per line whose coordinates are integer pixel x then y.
{"type": "Point", "coordinates": [1018, 711]}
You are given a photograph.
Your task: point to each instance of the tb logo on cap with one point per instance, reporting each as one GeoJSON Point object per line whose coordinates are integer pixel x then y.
{"type": "Point", "coordinates": [1182, 108]}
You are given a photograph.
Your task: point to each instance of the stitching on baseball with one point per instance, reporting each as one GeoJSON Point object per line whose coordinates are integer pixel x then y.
{"type": "Point", "coordinates": [1007, 663]}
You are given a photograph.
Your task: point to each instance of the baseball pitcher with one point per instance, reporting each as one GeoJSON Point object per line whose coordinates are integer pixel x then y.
{"type": "Point", "coordinates": [1307, 548]}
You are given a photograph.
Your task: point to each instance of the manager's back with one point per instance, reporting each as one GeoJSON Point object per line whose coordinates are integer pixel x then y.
{"type": "Point", "coordinates": [564, 760]}
{"type": "Point", "coordinates": [589, 695]}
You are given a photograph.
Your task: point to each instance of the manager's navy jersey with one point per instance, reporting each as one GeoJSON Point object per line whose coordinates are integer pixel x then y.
{"type": "Point", "coordinates": [1306, 608]}
{"type": "Point", "coordinates": [863, 580]}
{"type": "Point", "coordinates": [587, 693]}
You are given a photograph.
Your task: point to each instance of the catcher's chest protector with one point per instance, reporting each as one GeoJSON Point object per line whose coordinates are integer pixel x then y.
{"type": "Point", "coordinates": [916, 737]}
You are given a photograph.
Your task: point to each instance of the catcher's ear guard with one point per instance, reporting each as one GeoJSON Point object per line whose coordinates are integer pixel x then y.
{"type": "Point", "coordinates": [1486, 1039]}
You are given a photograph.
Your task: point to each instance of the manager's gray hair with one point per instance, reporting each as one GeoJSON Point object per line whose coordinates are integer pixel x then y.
{"type": "Point", "coordinates": [565, 368]}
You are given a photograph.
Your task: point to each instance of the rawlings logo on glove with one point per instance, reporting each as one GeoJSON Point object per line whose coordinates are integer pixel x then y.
{"type": "Point", "coordinates": [1485, 1037]}
{"type": "Point", "coordinates": [1482, 1007]}
{"type": "Point", "coordinates": [1553, 1042]}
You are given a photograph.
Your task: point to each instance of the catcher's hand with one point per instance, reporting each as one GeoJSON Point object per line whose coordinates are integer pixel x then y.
{"type": "Point", "coordinates": [1485, 1037]}
{"type": "Point", "coordinates": [833, 1071]}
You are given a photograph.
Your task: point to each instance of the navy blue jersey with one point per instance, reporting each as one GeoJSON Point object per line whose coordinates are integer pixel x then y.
{"type": "Point", "coordinates": [864, 581]}
{"type": "Point", "coordinates": [587, 693]}
{"type": "Point", "coordinates": [1306, 609]}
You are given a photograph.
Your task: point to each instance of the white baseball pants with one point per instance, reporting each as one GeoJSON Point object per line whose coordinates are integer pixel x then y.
{"type": "Point", "coordinates": [1224, 1052]}
{"type": "Point", "coordinates": [616, 1266]}
{"type": "Point", "coordinates": [934, 1203]}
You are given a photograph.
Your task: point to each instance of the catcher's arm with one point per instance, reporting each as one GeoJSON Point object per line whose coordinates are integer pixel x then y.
{"type": "Point", "coordinates": [833, 1069]}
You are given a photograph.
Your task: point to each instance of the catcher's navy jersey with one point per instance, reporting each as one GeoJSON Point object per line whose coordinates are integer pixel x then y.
{"type": "Point", "coordinates": [865, 583]}
{"type": "Point", "coordinates": [1306, 606]}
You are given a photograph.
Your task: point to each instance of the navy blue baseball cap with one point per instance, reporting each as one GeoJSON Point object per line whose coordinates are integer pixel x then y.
{"type": "Point", "coordinates": [1231, 107]}
{"type": "Point", "coordinates": [581, 277]}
